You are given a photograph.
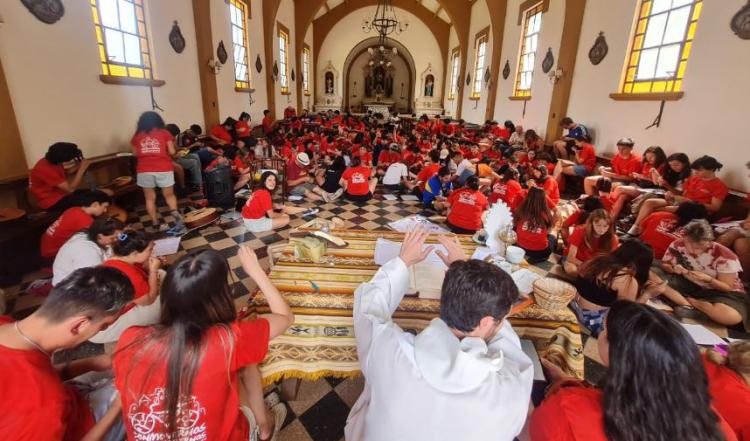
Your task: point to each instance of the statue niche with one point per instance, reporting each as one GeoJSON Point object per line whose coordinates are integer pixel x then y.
{"type": "Point", "coordinates": [379, 82]}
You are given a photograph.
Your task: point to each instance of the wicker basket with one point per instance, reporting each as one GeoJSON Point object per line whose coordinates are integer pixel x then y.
{"type": "Point", "coordinates": [553, 294]}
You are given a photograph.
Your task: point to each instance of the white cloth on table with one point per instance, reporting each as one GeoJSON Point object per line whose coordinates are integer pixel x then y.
{"type": "Point", "coordinates": [432, 386]}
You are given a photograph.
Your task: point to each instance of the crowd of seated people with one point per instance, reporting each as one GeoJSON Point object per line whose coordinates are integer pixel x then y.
{"type": "Point", "coordinates": [457, 172]}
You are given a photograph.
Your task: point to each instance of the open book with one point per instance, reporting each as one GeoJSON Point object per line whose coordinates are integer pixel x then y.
{"type": "Point", "coordinates": [425, 280]}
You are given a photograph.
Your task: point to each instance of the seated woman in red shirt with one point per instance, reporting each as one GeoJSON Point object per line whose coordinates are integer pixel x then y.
{"type": "Point", "coordinates": [595, 237]}
{"type": "Point", "coordinates": [644, 350]}
{"type": "Point", "coordinates": [579, 216]}
{"type": "Point", "coordinates": [48, 180]}
{"type": "Point", "coordinates": [703, 187]}
{"type": "Point", "coordinates": [466, 208]}
{"type": "Point", "coordinates": [583, 164]}
{"type": "Point", "coordinates": [131, 255]}
{"type": "Point", "coordinates": [662, 228]}
{"type": "Point", "coordinates": [356, 182]}
{"type": "Point", "coordinates": [625, 165]}
{"type": "Point", "coordinates": [507, 188]}
{"type": "Point", "coordinates": [182, 375]}
{"type": "Point", "coordinates": [654, 164]}
{"type": "Point", "coordinates": [260, 213]}
{"type": "Point", "coordinates": [539, 177]}
{"type": "Point", "coordinates": [533, 221]}
{"type": "Point", "coordinates": [242, 128]}
{"type": "Point", "coordinates": [223, 133]}
{"type": "Point", "coordinates": [728, 372]}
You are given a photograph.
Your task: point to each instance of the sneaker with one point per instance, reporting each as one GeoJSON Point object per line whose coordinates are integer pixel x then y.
{"type": "Point", "coordinates": [272, 399]}
{"type": "Point", "coordinates": [635, 230]}
{"type": "Point", "coordinates": [310, 212]}
{"type": "Point", "coordinates": [338, 194]}
{"type": "Point", "coordinates": [279, 412]}
{"type": "Point", "coordinates": [177, 230]}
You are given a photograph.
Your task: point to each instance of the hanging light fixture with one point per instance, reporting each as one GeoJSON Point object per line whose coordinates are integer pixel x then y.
{"type": "Point", "coordinates": [384, 22]}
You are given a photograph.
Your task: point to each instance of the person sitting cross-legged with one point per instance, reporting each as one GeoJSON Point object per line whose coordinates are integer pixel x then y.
{"type": "Point", "coordinates": [465, 373]}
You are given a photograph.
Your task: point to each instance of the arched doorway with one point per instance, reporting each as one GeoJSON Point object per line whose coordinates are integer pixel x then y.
{"type": "Point", "coordinates": [402, 78]}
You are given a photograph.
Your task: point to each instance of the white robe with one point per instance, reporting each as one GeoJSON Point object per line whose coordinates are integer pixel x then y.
{"type": "Point", "coordinates": [433, 386]}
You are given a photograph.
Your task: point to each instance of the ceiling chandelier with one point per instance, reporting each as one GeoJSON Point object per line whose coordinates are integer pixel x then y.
{"type": "Point", "coordinates": [381, 56]}
{"type": "Point", "coordinates": [384, 22]}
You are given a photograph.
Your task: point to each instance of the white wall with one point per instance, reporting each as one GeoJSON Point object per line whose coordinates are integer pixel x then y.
{"type": "Point", "coordinates": [285, 16]}
{"type": "Point", "coordinates": [473, 110]}
{"type": "Point", "coordinates": [347, 33]}
{"type": "Point", "coordinates": [712, 117]}
{"type": "Point", "coordinates": [448, 104]}
{"type": "Point", "coordinates": [537, 109]}
{"type": "Point", "coordinates": [53, 77]}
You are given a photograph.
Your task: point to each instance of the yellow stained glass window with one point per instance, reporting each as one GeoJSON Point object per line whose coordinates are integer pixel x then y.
{"type": "Point", "coordinates": [238, 17]}
{"type": "Point", "coordinates": [480, 59]}
{"type": "Point", "coordinates": [661, 44]}
{"type": "Point", "coordinates": [455, 66]}
{"type": "Point", "coordinates": [532, 26]}
{"type": "Point", "coordinates": [283, 61]}
{"type": "Point", "coordinates": [121, 35]}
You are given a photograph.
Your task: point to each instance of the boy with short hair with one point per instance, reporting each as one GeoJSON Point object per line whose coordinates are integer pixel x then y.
{"type": "Point", "coordinates": [73, 220]}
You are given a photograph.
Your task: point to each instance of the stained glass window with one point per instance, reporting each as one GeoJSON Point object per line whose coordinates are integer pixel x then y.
{"type": "Point", "coordinates": [238, 17]}
{"type": "Point", "coordinates": [121, 35]}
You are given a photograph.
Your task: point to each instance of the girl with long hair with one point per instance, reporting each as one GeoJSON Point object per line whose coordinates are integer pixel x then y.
{"type": "Point", "coordinates": [181, 377]}
{"type": "Point", "coordinates": [260, 214]}
{"type": "Point", "coordinates": [533, 220]}
{"type": "Point", "coordinates": [624, 274]}
{"type": "Point", "coordinates": [728, 372]}
{"type": "Point", "coordinates": [644, 350]}
{"type": "Point", "coordinates": [132, 255]}
{"type": "Point", "coordinates": [507, 188]}
{"type": "Point", "coordinates": [654, 164]}
{"type": "Point", "coordinates": [579, 216]}
{"type": "Point", "coordinates": [154, 148]}
{"type": "Point", "coordinates": [539, 177]}
{"type": "Point", "coordinates": [596, 236]}
{"type": "Point", "coordinates": [466, 208]}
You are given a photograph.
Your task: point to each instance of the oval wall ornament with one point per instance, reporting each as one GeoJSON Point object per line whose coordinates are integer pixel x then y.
{"type": "Point", "coordinates": [221, 52]}
{"type": "Point", "coordinates": [176, 39]}
{"type": "Point", "coordinates": [258, 64]}
{"type": "Point", "coordinates": [599, 50]}
{"type": "Point", "coordinates": [46, 11]}
{"type": "Point", "coordinates": [740, 23]}
{"type": "Point", "coordinates": [548, 62]}
{"type": "Point", "coordinates": [506, 70]}
{"type": "Point", "coordinates": [468, 79]}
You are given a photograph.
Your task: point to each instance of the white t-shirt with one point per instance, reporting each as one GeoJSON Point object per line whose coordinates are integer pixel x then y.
{"type": "Point", "coordinates": [465, 164]}
{"type": "Point", "coordinates": [395, 172]}
{"type": "Point", "coordinates": [77, 252]}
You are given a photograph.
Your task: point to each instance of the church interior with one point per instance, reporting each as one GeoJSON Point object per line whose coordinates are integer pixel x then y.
{"type": "Point", "coordinates": [374, 219]}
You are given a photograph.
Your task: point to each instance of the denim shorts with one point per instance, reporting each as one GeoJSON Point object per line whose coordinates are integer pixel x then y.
{"type": "Point", "coordinates": [155, 179]}
{"type": "Point", "coordinates": [590, 319]}
{"type": "Point", "coordinates": [580, 170]}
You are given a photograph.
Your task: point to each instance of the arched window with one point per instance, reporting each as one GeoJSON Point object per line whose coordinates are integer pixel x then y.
{"type": "Point", "coordinates": [283, 58]}
{"type": "Point", "coordinates": [480, 62]}
{"type": "Point", "coordinates": [238, 16]}
{"type": "Point", "coordinates": [532, 26]}
{"type": "Point", "coordinates": [455, 66]}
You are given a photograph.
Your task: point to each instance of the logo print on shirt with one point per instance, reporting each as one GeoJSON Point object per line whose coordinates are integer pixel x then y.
{"type": "Point", "coordinates": [358, 178]}
{"type": "Point", "coordinates": [150, 145]}
{"type": "Point", "coordinates": [149, 418]}
{"type": "Point", "coordinates": [467, 198]}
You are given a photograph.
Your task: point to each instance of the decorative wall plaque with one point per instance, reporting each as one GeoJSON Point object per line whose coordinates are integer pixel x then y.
{"type": "Point", "coordinates": [506, 70]}
{"type": "Point", "coordinates": [598, 50]}
{"type": "Point", "coordinates": [487, 75]}
{"type": "Point", "coordinates": [258, 64]}
{"type": "Point", "coordinates": [292, 76]}
{"type": "Point", "coordinates": [176, 39]}
{"type": "Point", "coordinates": [275, 70]}
{"type": "Point", "coordinates": [740, 23]}
{"type": "Point", "coordinates": [548, 62]}
{"type": "Point", "coordinates": [221, 52]}
{"type": "Point", "coordinates": [468, 79]}
{"type": "Point", "coordinates": [47, 11]}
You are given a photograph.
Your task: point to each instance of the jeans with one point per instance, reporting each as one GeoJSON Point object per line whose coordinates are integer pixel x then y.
{"type": "Point", "coordinates": [192, 164]}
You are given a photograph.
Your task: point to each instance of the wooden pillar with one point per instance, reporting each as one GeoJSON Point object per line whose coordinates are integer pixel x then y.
{"type": "Point", "coordinates": [497, 9]}
{"type": "Point", "coordinates": [566, 60]}
{"type": "Point", "coordinates": [205, 46]}
{"type": "Point", "coordinates": [11, 148]}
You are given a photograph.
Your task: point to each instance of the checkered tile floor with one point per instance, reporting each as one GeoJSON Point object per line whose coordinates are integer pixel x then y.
{"type": "Point", "coordinates": [320, 410]}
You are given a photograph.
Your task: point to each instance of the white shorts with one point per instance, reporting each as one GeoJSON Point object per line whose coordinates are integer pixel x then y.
{"type": "Point", "coordinates": [155, 179]}
{"type": "Point", "coordinates": [258, 225]}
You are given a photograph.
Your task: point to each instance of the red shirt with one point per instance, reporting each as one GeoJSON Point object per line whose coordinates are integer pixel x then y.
{"type": "Point", "coordinates": [267, 124]}
{"type": "Point", "coordinates": [43, 181]}
{"type": "Point", "coordinates": [658, 230]}
{"type": "Point", "coordinates": [576, 414]}
{"type": "Point", "coordinates": [242, 128]}
{"type": "Point", "coordinates": [137, 277]}
{"type": "Point", "coordinates": [140, 377]}
{"type": "Point", "coordinates": [152, 152]}
{"type": "Point", "coordinates": [467, 206]}
{"type": "Point", "coordinates": [294, 172]}
{"type": "Point", "coordinates": [426, 173]}
{"type": "Point", "coordinates": [702, 191]}
{"type": "Point", "coordinates": [626, 167]}
{"type": "Point", "coordinates": [366, 158]}
{"type": "Point", "coordinates": [501, 132]}
{"type": "Point", "coordinates": [585, 253]}
{"type": "Point", "coordinates": [220, 132]}
{"type": "Point", "coordinates": [552, 192]}
{"type": "Point", "coordinates": [258, 205]}
{"type": "Point", "coordinates": [572, 220]}
{"type": "Point", "coordinates": [358, 180]}
{"type": "Point", "coordinates": [731, 397]}
{"type": "Point", "coordinates": [69, 223]}
{"type": "Point", "coordinates": [587, 155]}
{"type": "Point", "coordinates": [36, 404]}
{"type": "Point", "coordinates": [534, 239]}
{"type": "Point", "coordinates": [388, 157]}
{"type": "Point", "coordinates": [506, 192]}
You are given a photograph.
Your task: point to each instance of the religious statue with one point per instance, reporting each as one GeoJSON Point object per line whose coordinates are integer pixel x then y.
{"type": "Point", "coordinates": [329, 83]}
{"type": "Point", "coordinates": [429, 85]}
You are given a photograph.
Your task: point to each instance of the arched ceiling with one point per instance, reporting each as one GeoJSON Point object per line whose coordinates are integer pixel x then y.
{"type": "Point", "coordinates": [433, 6]}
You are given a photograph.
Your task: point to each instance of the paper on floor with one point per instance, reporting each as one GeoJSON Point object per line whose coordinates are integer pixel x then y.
{"type": "Point", "coordinates": [390, 197]}
{"type": "Point", "coordinates": [166, 246]}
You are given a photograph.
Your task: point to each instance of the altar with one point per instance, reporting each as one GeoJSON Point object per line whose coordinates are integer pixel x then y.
{"type": "Point", "coordinates": [378, 106]}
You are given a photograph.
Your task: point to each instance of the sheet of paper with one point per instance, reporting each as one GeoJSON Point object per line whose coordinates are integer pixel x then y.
{"type": "Point", "coordinates": [166, 246]}
{"type": "Point", "coordinates": [701, 335]}
{"type": "Point", "coordinates": [480, 253]}
{"type": "Point", "coordinates": [409, 197]}
{"type": "Point", "coordinates": [385, 250]}
{"type": "Point", "coordinates": [412, 222]}
{"type": "Point", "coordinates": [528, 348]}
{"type": "Point", "coordinates": [390, 197]}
